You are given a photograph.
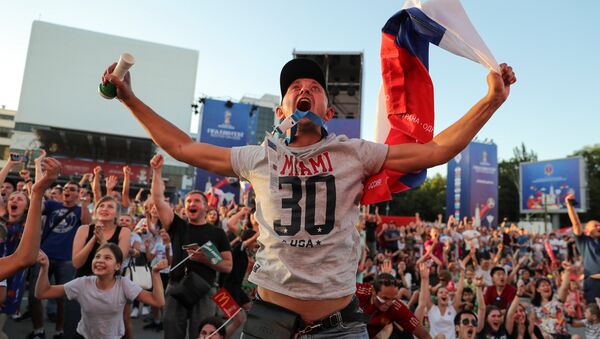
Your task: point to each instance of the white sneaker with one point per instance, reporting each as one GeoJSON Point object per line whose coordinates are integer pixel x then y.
{"type": "Point", "coordinates": [135, 312]}
{"type": "Point", "coordinates": [145, 310]}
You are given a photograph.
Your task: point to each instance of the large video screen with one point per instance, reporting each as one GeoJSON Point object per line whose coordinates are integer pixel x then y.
{"type": "Point", "coordinates": [63, 69]}
{"type": "Point", "coordinates": [545, 184]}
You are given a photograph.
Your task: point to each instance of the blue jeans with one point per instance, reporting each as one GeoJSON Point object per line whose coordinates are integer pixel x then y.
{"type": "Point", "coordinates": [352, 330]}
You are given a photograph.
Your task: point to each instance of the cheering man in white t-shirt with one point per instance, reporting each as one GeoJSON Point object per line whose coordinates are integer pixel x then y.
{"type": "Point", "coordinates": [307, 193]}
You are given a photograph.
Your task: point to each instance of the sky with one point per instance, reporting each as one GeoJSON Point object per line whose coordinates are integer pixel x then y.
{"type": "Point", "coordinates": [553, 108]}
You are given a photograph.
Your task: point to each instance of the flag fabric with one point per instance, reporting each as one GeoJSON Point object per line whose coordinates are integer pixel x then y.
{"type": "Point", "coordinates": [405, 110]}
{"type": "Point", "coordinates": [225, 302]}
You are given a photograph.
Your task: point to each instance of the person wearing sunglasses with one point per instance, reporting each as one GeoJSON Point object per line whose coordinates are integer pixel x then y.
{"type": "Point", "coordinates": [381, 301]}
{"type": "Point", "coordinates": [465, 324]}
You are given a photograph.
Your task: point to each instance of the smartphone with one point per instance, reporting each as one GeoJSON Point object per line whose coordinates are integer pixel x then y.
{"type": "Point", "coordinates": [18, 157]}
{"type": "Point", "coordinates": [573, 202]}
{"type": "Point", "coordinates": [192, 246]}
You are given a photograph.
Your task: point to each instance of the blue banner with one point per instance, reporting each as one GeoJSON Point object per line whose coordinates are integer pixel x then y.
{"type": "Point", "coordinates": [348, 127]}
{"type": "Point", "coordinates": [223, 123]}
{"type": "Point", "coordinates": [472, 184]}
{"type": "Point", "coordinates": [544, 185]}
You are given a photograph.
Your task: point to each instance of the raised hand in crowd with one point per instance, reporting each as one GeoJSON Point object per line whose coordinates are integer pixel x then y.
{"type": "Point", "coordinates": [125, 201]}
{"type": "Point", "coordinates": [26, 253]}
{"type": "Point", "coordinates": [96, 184]}
{"type": "Point", "coordinates": [38, 163]}
{"type": "Point", "coordinates": [111, 183]}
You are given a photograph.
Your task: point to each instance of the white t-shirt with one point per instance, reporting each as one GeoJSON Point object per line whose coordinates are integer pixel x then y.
{"type": "Point", "coordinates": [555, 244]}
{"type": "Point", "coordinates": [308, 239]}
{"type": "Point", "coordinates": [160, 252]}
{"type": "Point", "coordinates": [134, 238]}
{"type": "Point", "coordinates": [562, 247]}
{"type": "Point", "coordinates": [442, 323]}
{"type": "Point", "coordinates": [101, 311]}
{"type": "Point", "coordinates": [470, 236]}
{"type": "Point", "coordinates": [487, 277]}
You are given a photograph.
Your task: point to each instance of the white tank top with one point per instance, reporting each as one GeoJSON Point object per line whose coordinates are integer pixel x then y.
{"type": "Point", "coordinates": [442, 323]}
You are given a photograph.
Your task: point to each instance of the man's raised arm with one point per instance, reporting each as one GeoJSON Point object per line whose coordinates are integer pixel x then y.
{"type": "Point", "coordinates": [444, 146]}
{"type": "Point", "coordinates": [157, 193]}
{"type": "Point", "coordinates": [167, 136]}
{"type": "Point", "coordinates": [573, 214]}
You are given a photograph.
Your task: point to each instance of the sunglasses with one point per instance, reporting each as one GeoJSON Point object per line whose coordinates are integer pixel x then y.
{"type": "Point", "coordinates": [466, 322]}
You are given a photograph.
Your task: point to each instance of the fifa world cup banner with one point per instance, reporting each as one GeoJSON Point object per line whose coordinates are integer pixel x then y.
{"type": "Point", "coordinates": [225, 124]}
{"type": "Point", "coordinates": [545, 184]}
{"type": "Point", "coordinates": [472, 184]}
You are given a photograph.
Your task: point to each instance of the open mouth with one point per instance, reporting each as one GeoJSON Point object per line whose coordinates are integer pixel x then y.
{"type": "Point", "coordinates": [13, 207]}
{"type": "Point", "coordinates": [303, 105]}
{"type": "Point", "coordinates": [193, 210]}
{"type": "Point", "coordinates": [470, 332]}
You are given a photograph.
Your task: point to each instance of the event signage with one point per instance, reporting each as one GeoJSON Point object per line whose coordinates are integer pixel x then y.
{"type": "Point", "coordinates": [225, 124]}
{"type": "Point", "coordinates": [472, 184]}
{"type": "Point", "coordinates": [545, 184]}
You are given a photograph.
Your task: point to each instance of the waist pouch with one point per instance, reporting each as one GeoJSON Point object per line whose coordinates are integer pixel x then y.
{"type": "Point", "coordinates": [266, 320]}
{"type": "Point", "coordinates": [190, 289]}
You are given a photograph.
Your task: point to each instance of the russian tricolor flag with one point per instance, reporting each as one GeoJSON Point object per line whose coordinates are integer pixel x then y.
{"type": "Point", "coordinates": [405, 106]}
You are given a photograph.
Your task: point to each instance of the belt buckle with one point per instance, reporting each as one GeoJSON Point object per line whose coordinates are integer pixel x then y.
{"type": "Point", "coordinates": [335, 319]}
{"type": "Point", "coordinates": [308, 329]}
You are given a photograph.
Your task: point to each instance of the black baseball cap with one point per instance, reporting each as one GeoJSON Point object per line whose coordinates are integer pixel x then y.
{"type": "Point", "coordinates": [298, 69]}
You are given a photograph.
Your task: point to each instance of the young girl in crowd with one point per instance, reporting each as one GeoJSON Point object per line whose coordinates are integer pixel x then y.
{"type": "Point", "coordinates": [103, 295]}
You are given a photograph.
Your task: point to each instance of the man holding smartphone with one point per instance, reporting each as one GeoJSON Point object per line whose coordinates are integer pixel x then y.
{"type": "Point", "coordinates": [187, 235]}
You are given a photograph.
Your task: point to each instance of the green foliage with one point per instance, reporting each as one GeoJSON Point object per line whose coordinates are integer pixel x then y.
{"type": "Point", "coordinates": [429, 199]}
{"type": "Point", "coordinates": [508, 182]}
{"type": "Point", "coordinates": [591, 154]}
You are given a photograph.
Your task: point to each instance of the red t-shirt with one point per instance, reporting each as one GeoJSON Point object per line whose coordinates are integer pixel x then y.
{"type": "Point", "coordinates": [398, 312]}
{"type": "Point", "coordinates": [503, 300]}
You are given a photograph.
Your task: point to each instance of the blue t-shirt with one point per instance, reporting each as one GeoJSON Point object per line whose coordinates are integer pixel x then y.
{"type": "Point", "coordinates": [58, 243]}
{"type": "Point", "coordinates": [589, 248]}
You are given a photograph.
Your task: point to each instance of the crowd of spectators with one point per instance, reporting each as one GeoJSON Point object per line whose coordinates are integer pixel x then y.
{"type": "Point", "coordinates": [449, 278]}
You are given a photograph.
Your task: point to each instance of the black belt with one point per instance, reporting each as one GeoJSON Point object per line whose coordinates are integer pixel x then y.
{"type": "Point", "coordinates": [350, 313]}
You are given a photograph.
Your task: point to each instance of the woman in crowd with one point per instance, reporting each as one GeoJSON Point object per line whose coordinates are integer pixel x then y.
{"type": "Point", "coordinates": [16, 209]}
{"type": "Point", "coordinates": [549, 312]}
{"type": "Point", "coordinates": [441, 314]}
{"type": "Point", "coordinates": [25, 253]}
{"type": "Point", "coordinates": [212, 217]}
{"type": "Point", "coordinates": [90, 237]}
{"type": "Point", "coordinates": [102, 295]}
{"type": "Point", "coordinates": [517, 324]}
{"type": "Point", "coordinates": [493, 324]}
